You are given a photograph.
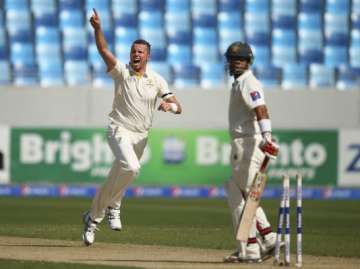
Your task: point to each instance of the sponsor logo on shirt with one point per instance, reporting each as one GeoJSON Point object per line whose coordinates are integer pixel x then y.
{"type": "Point", "coordinates": [149, 83]}
{"type": "Point", "coordinates": [255, 95]}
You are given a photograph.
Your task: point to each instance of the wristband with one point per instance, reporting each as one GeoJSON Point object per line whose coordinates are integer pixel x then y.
{"type": "Point", "coordinates": [173, 108]}
{"type": "Point", "coordinates": [265, 125]}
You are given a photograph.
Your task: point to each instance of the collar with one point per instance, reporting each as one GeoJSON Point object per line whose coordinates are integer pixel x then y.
{"type": "Point", "coordinates": [244, 75]}
{"type": "Point", "coordinates": [134, 73]}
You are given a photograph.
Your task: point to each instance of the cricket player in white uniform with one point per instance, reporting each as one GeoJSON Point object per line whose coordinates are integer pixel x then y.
{"type": "Point", "coordinates": [137, 89]}
{"type": "Point", "coordinates": [250, 132]}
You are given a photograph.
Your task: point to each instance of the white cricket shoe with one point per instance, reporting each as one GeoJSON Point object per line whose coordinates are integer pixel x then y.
{"type": "Point", "coordinates": [268, 244]}
{"type": "Point", "coordinates": [233, 257]}
{"type": "Point", "coordinates": [252, 255]}
{"type": "Point", "coordinates": [90, 227]}
{"type": "Point", "coordinates": [113, 217]}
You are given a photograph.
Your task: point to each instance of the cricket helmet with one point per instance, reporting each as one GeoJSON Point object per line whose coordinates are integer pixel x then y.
{"type": "Point", "coordinates": [239, 50]}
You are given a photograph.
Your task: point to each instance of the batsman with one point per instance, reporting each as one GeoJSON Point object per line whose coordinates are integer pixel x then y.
{"type": "Point", "coordinates": [251, 143]}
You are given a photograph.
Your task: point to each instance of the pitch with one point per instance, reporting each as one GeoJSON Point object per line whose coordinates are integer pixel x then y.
{"type": "Point", "coordinates": [164, 233]}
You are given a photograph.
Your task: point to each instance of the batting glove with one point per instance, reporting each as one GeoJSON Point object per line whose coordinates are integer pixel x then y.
{"type": "Point", "coordinates": [269, 146]}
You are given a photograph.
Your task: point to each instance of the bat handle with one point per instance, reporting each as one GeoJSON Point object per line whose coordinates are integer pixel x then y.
{"type": "Point", "coordinates": [264, 164]}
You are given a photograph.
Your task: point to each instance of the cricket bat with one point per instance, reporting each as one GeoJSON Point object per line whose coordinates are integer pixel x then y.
{"type": "Point", "coordinates": [252, 202]}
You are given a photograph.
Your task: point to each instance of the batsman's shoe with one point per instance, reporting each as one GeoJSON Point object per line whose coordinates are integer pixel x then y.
{"type": "Point", "coordinates": [90, 227]}
{"type": "Point", "coordinates": [267, 245]}
{"type": "Point", "coordinates": [113, 217]}
{"type": "Point", "coordinates": [233, 257]}
{"type": "Point", "coordinates": [250, 260]}
{"type": "Point", "coordinates": [253, 254]}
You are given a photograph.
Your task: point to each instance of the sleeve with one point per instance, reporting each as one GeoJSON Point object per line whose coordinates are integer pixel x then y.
{"type": "Point", "coordinates": [118, 71]}
{"type": "Point", "coordinates": [253, 94]}
{"type": "Point", "coordinates": [163, 88]}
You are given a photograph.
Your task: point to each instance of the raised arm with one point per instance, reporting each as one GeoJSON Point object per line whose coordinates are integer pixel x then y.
{"type": "Point", "coordinates": [101, 44]}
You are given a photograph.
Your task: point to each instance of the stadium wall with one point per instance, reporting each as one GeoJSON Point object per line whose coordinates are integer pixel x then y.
{"type": "Point", "coordinates": [88, 107]}
{"type": "Point", "coordinates": [319, 131]}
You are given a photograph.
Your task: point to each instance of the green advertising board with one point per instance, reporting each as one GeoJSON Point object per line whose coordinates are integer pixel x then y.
{"type": "Point", "coordinates": [59, 155]}
{"type": "Point", "coordinates": [187, 157]}
{"type": "Point", "coordinates": [172, 157]}
{"type": "Point", "coordinates": [312, 153]}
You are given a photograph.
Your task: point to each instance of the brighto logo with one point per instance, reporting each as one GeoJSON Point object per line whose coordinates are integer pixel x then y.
{"type": "Point", "coordinates": [80, 154]}
{"type": "Point", "coordinates": [298, 157]}
{"type": "Point", "coordinates": [297, 153]}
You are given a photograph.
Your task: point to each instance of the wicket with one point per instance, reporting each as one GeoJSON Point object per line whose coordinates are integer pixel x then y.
{"type": "Point", "coordinates": [284, 218]}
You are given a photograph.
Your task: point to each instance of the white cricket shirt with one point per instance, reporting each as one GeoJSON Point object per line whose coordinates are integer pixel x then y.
{"type": "Point", "coordinates": [135, 97]}
{"type": "Point", "coordinates": [246, 94]}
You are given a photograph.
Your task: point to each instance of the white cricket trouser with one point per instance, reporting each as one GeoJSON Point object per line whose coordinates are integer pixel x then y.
{"type": "Point", "coordinates": [128, 147]}
{"type": "Point", "coordinates": [246, 158]}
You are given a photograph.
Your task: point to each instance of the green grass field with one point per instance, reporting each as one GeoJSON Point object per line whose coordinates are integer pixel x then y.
{"type": "Point", "coordinates": [11, 264]}
{"type": "Point", "coordinates": [330, 227]}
